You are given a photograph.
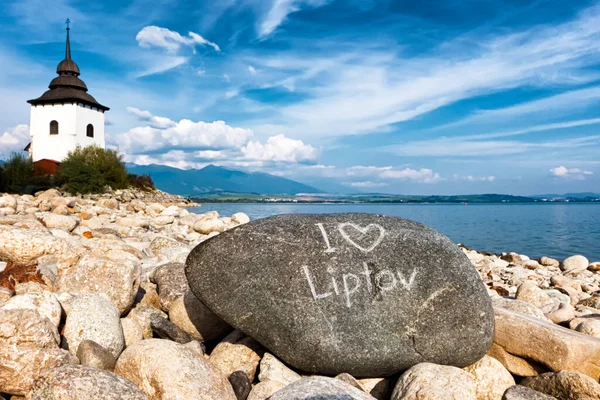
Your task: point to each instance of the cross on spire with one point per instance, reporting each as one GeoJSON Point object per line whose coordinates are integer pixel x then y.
{"type": "Point", "coordinates": [68, 22]}
{"type": "Point", "coordinates": [68, 47]}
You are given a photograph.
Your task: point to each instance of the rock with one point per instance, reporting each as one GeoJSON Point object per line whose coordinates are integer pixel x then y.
{"type": "Point", "coordinates": [117, 276]}
{"type": "Point", "coordinates": [134, 222]}
{"type": "Point", "coordinates": [430, 381]}
{"type": "Point", "coordinates": [28, 347]}
{"type": "Point", "coordinates": [8, 201]}
{"type": "Point", "coordinates": [380, 388]}
{"type": "Point", "coordinates": [565, 313]}
{"type": "Point", "coordinates": [349, 379]}
{"type": "Point", "coordinates": [79, 382]}
{"type": "Point", "coordinates": [589, 327]}
{"type": "Point", "coordinates": [530, 292]}
{"type": "Point", "coordinates": [165, 329]}
{"type": "Point", "coordinates": [240, 218]}
{"type": "Point", "coordinates": [515, 365]}
{"type": "Point", "coordinates": [162, 220]}
{"type": "Point", "coordinates": [519, 392]}
{"type": "Point", "coordinates": [512, 258]}
{"type": "Point", "coordinates": [546, 343]}
{"type": "Point", "coordinates": [93, 317]}
{"type": "Point", "coordinates": [593, 302]}
{"type": "Point", "coordinates": [143, 314]}
{"type": "Point", "coordinates": [520, 307]}
{"type": "Point", "coordinates": [25, 246]}
{"type": "Point", "coordinates": [491, 378]}
{"type": "Point", "coordinates": [172, 283]}
{"type": "Point", "coordinates": [111, 204]}
{"type": "Point", "coordinates": [163, 242]}
{"type": "Point", "coordinates": [188, 313]}
{"type": "Point", "coordinates": [594, 266]}
{"type": "Point", "coordinates": [264, 390]}
{"type": "Point", "coordinates": [384, 287]}
{"type": "Point", "coordinates": [564, 385]}
{"type": "Point", "coordinates": [57, 221]}
{"type": "Point", "coordinates": [319, 387]}
{"type": "Point", "coordinates": [241, 384]}
{"type": "Point", "coordinates": [237, 352]}
{"type": "Point", "coordinates": [549, 262]}
{"type": "Point", "coordinates": [132, 331]}
{"type": "Point", "coordinates": [45, 303]}
{"type": "Point", "coordinates": [167, 370]}
{"type": "Point", "coordinates": [207, 226]}
{"type": "Point", "coordinates": [93, 355]}
{"type": "Point", "coordinates": [574, 265]}
{"type": "Point", "coordinates": [271, 369]}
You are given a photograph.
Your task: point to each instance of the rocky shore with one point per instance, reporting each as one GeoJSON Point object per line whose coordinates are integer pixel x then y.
{"type": "Point", "coordinates": [95, 304]}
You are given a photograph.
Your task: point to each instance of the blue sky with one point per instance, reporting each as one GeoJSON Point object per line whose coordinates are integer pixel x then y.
{"type": "Point", "coordinates": [434, 97]}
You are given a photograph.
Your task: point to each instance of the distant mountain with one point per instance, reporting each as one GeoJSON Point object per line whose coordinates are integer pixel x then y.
{"type": "Point", "coordinates": [212, 179]}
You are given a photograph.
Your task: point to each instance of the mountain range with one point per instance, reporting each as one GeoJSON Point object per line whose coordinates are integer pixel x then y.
{"type": "Point", "coordinates": [211, 179]}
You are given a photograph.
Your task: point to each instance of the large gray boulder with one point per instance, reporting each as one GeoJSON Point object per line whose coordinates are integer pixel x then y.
{"type": "Point", "coordinates": [366, 294]}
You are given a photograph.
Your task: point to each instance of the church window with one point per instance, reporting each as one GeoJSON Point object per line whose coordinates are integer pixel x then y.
{"type": "Point", "coordinates": [53, 127]}
{"type": "Point", "coordinates": [90, 130]}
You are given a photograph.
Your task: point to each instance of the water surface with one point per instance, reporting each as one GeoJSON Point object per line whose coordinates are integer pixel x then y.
{"type": "Point", "coordinates": [555, 230]}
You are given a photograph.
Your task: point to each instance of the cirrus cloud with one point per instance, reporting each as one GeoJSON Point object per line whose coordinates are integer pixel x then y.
{"type": "Point", "coordinates": [155, 36]}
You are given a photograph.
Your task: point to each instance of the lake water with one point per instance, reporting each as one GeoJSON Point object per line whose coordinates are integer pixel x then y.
{"type": "Point", "coordinates": [556, 230]}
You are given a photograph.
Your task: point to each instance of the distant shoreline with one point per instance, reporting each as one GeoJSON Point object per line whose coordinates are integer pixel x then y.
{"type": "Point", "coordinates": [246, 201]}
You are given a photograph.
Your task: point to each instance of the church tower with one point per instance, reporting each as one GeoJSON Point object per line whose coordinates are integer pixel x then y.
{"type": "Point", "coordinates": [66, 116]}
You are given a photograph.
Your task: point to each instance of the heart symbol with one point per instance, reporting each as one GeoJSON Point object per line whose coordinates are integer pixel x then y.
{"type": "Point", "coordinates": [342, 227]}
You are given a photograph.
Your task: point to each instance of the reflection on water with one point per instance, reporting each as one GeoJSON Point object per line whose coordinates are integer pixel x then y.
{"type": "Point", "coordinates": [556, 230]}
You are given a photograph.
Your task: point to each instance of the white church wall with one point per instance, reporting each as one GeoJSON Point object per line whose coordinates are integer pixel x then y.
{"type": "Point", "coordinates": [52, 147]}
{"type": "Point", "coordinates": [72, 130]}
{"type": "Point", "coordinates": [85, 115]}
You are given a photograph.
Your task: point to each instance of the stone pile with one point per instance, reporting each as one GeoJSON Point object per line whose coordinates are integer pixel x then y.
{"type": "Point", "coordinates": [95, 304]}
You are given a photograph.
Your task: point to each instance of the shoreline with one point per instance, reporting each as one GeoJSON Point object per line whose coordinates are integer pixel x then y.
{"type": "Point", "coordinates": [117, 260]}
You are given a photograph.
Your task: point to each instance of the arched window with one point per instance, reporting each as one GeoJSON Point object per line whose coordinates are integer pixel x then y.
{"type": "Point", "coordinates": [89, 131]}
{"type": "Point", "coordinates": [53, 127]}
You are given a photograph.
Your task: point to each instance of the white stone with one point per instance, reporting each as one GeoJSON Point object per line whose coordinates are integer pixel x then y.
{"type": "Point", "coordinates": [45, 303]}
{"type": "Point", "coordinates": [207, 226]}
{"type": "Point", "coordinates": [93, 317]}
{"type": "Point", "coordinates": [240, 218]}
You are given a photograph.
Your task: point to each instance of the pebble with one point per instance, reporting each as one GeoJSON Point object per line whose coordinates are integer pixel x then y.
{"type": "Point", "coordinates": [430, 381]}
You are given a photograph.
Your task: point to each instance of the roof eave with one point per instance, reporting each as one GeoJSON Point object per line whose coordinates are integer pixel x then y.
{"type": "Point", "coordinates": [35, 102]}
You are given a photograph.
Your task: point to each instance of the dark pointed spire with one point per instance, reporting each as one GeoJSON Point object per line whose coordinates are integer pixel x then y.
{"type": "Point", "coordinates": [67, 87]}
{"type": "Point", "coordinates": [68, 49]}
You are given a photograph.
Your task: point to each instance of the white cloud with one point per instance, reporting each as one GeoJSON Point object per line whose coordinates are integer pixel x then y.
{"type": "Point", "coordinates": [155, 36]}
{"type": "Point", "coordinates": [184, 134]}
{"type": "Point", "coordinates": [210, 155]}
{"type": "Point", "coordinates": [423, 175]}
{"type": "Point", "coordinates": [372, 87]}
{"type": "Point", "coordinates": [367, 184]}
{"type": "Point", "coordinates": [14, 140]}
{"type": "Point", "coordinates": [162, 65]}
{"type": "Point", "coordinates": [155, 122]}
{"type": "Point", "coordinates": [471, 178]}
{"type": "Point", "coordinates": [572, 173]}
{"type": "Point", "coordinates": [281, 148]}
{"type": "Point", "coordinates": [279, 11]}
{"type": "Point", "coordinates": [251, 70]}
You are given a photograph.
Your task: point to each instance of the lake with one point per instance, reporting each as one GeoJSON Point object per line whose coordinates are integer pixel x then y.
{"type": "Point", "coordinates": [556, 230]}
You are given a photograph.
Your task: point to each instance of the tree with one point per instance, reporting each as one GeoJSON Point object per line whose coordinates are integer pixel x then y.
{"type": "Point", "coordinates": [91, 169]}
{"type": "Point", "coordinates": [16, 173]}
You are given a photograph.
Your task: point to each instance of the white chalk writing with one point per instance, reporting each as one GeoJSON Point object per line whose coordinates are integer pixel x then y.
{"type": "Point", "coordinates": [342, 228]}
{"type": "Point", "coordinates": [324, 233]}
{"type": "Point", "coordinates": [383, 281]}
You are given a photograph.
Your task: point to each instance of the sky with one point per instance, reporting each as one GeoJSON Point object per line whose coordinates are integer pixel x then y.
{"type": "Point", "coordinates": [430, 97]}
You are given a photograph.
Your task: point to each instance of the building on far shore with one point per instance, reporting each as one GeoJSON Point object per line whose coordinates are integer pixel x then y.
{"type": "Point", "coordinates": [64, 117]}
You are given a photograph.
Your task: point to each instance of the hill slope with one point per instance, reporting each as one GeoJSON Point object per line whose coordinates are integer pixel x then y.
{"type": "Point", "coordinates": [216, 179]}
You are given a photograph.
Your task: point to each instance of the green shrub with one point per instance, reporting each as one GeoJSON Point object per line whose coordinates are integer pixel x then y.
{"type": "Point", "coordinates": [143, 182]}
{"type": "Point", "coordinates": [91, 169]}
{"type": "Point", "coordinates": [16, 173]}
